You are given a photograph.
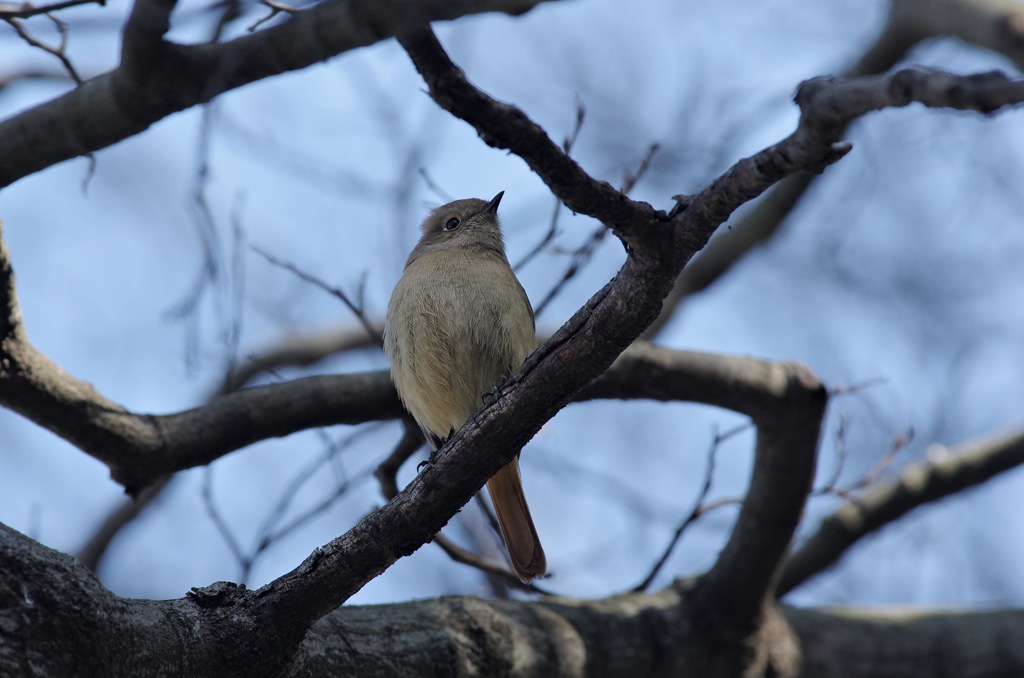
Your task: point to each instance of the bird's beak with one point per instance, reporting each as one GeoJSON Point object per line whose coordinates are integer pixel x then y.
{"type": "Point", "coordinates": [492, 206]}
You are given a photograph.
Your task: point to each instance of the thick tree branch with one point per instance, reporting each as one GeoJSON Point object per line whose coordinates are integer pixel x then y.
{"type": "Point", "coordinates": [827, 106]}
{"type": "Point", "coordinates": [158, 78]}
{"type": "Point", "coordinates": [902, 643]}
{"type": "Point", "coordinates": [744, 576]}
{"type": "Point", "coordinates": [62, 621]}
{"type": "Point", "coordinates": [739, 383]}
{"type": "Point", "coordinates": [58, 620]}
{"type": "Point", "coordinates": [997, 25]}
{"type": "Point", "coordinates": [955, 470]}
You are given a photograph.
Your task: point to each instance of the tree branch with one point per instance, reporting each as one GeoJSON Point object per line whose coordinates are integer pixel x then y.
{"type": "Point", "coordinates": [64, 622]}
{"type": "Point", "coordinates": [298, 351]}
{"type": "Point", "coordinates": [92, 553]}
{"type": "Point", "coordinates": [504, 126]}
{"type": "Point", "coordinates": [159, 77]}
{"type": "Point", "coordinates": [955, 470]}
{"type": "Point", "coordinates": [852, 643]}
{"type": "Point", "coordinates": [27, 9]}
{"type": "Point", "coordinates": [765, 218]}
{"type": "Point", "coordinates": [742, 580]}
{"type": "Point", "coordinates": [139, 448]}
{"type": "Point", "coordinates": [997, 25]}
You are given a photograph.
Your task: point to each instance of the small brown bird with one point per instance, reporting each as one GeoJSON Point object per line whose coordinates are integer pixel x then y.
{"type": "Point", "coordinates": [457, 324]}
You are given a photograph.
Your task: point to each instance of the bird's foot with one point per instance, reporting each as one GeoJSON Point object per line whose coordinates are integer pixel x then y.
{"type": "Point", "coordinates": [432, 457]}
{"type": "Point", "coordinates": [493, 394]}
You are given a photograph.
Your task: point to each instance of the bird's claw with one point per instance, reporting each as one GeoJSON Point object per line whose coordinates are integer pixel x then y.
{"type": "Point", "coordinates": [431, 458]}
{"type": "Point", "coordinates": [492, 395]}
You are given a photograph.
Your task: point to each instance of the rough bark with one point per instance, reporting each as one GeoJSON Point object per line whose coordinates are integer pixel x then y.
{"type": "Point", "coordinates": [57, 620]}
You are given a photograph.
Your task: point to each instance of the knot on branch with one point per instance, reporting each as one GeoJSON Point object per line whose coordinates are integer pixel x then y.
{"type": "Point", "coordinates": [218, 594]}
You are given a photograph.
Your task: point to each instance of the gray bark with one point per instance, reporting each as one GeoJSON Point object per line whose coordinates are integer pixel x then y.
{"type": "Point", "coordinates": [57, 620]}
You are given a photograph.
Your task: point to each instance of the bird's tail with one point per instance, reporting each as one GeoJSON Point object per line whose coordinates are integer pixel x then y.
{"type": "Point", "coordinates": [521, 540]}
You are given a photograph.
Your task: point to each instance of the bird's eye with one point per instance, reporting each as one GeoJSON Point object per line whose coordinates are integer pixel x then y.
{"type": "Point", "coordinates": [451, 224]}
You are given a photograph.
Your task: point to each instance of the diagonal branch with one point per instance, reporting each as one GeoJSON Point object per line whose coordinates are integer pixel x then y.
{"type": "Point", "coordinates": [505, 126]}
{"type": "Point", "coordinates": [966, 465]}
{"type": "Point", "coordinates": [765, 218]}
{"type": "Point", "coordinates": [827, 106]}
{"type": "Point", "coordinates": [92, 553]}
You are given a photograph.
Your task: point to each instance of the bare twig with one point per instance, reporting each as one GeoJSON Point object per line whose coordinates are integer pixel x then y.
{"type": "Point", "coordinates": [967, 464]}
{"type": "Point", "coordinates": [585, 252]}
{"type": "Point", "coordinates": [631, 179]}
{"type": "Point", "coordinates": [60, 51]}
{"type": "Point", "coordinates": [271, 536]}
{"type": "Point", "coordinates": [856, 388]}
{"type": "Point", "coordinates": [274, 528]}
{"type": "Point", "coordinates": [885, 461]}
{"type": "Point", "coordinates": [567, 145]}
{"type": "Point", "coordinates": [552, 231]}
{"type": "Point", "coordinates": [356, 306]}
{"type": "Point", "coordinates": [842, 452]}
{"type": "Point", "coordinates": [301, 351]}
{"type": "Point", "coordinates": [211, 269]}
{"type": "Point", "coordinates": [27, 9]}
{"type": "Point", "coordinates": [579, 259]}
{"type": "Point", "coordinates": [92, 553]}
{"type": "Point", "coordinates": [488, 567]}
{"type": "Point", "coordinates": [275, 9]}
{"type": "Point", "coordinates": [387, 471]}
{"type": "Point", "coordinates": [433, 185]}
{"type": "Point", "coordinates": [221, 523]}
{"type": "Point", "coordinates": [699, 506]}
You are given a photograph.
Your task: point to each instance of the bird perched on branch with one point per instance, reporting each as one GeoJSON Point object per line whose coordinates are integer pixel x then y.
{"type": "Point", "coordinates": [457, 324]}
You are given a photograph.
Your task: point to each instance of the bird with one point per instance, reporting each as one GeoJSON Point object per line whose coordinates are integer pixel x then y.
{"type": "Point", "coordinates": [458, 323]}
